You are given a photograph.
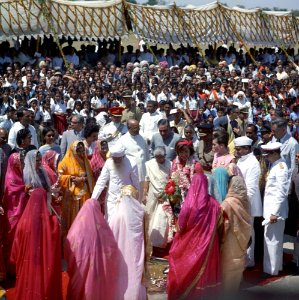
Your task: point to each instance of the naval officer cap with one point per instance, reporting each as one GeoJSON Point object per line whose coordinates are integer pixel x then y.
{"type": "Point", "coordinates": [271, 147]}
{"type": "Point", "coordinates": [242, 141]}
{"type": "Point", "coordinates": [117, 151]}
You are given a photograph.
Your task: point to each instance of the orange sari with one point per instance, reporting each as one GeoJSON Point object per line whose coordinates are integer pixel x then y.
{"type": "Point", "coordinates": [74, 195]}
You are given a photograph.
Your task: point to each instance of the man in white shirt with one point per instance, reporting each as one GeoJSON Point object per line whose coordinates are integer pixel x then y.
{"type": "Point", "coordinates": [118, 171]}
{"type": "Point", "coordinates": [251, 171]}
{"type": "Point", "coordinates": [275, 208]}
{"type": "Point", "coordinates": [149, 121]}
{"type": "Point", "coordinates": [23, 116]}
{"type": "Point", "coordinates": [137, 149]}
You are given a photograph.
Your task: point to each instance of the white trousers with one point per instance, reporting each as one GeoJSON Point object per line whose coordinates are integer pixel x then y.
{"type": "Point", "coordinates": [250, 262]}
{"type": "Point", "coordinates": [273, 247]}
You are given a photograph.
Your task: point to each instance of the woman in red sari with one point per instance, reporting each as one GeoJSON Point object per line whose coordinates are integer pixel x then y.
{"type": "Point", "coordinates": [194, 258]}
{"type": "Point", "coordinates": [37, 251]}
{"type": "Point", "coordinates": [14, 202]}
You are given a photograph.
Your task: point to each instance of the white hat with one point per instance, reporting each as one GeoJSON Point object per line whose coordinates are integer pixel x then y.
{"type": "Point", "coordinates": [117, 151]}
{"type": "Point", "coordinates": [31, 100]}
{"type": "Point", "coordinates": [271, 146]}
{"type": "Point", "coordinates": [242, 141]}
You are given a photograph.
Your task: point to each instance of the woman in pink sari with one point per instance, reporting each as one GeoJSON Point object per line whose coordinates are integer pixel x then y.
{"type": "Point", "coordinates": [37, 251]}
{"type": "Point", "coordinates": [92, 256]}
{"type": "Point", "coordinates": [14, 202]}
{"type": "Point", "coordinates": [98, 158]}
{"type": "Point", "coordinates": [50, 162]}
{"type": "Point", "coordinates": [194, 258]}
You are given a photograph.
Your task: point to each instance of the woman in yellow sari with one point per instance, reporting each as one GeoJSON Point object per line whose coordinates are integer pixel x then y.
{"type": "Point", "coordinates": [76, 182]}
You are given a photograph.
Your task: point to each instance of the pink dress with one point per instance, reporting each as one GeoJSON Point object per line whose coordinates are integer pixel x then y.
{"type": "Point", "coordinates": [14, 203]}
{"type": "Point", "coordinates": [222, 161]}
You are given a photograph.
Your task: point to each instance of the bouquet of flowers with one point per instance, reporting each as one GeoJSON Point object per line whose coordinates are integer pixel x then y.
{"type": "Point", "coordinates": [172, 192]}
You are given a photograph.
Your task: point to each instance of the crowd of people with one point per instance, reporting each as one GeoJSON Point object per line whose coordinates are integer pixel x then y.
{"type": "Point", "coordinates": [116, 157]}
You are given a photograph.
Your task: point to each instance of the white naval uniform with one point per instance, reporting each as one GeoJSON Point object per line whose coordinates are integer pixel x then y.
{"type": "Point", "coordinates": [109, 132]}
{"type": "Point", "coordinates": [275, 203]}
{"type": "Point", "coordinates": [115, 177]}
{"type": "Point", "coordinates": [251, 171]}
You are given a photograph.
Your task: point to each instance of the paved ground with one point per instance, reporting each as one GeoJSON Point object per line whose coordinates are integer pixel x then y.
{"type": "Point", "coordinates": [284, 287]}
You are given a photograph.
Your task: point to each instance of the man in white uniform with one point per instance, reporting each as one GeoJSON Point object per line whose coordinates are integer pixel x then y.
{"type": "Point", "coordinates": [119, 170]}
{"type": "Point", "coordinates": [112, 131]}
{"type": "Point", "coordinates": [137, 149]}
{"type": "Point", "coordinates": [251, 172]}
{"type": "Point", "coordinates": [275, 208]}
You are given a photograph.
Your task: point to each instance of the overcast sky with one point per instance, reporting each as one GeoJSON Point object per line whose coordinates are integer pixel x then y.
{"type": "Point", "coordinates": [288, 4]}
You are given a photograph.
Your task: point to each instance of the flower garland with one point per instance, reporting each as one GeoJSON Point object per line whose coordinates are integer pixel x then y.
{"type": "Point", "coordinates": [183, 175]}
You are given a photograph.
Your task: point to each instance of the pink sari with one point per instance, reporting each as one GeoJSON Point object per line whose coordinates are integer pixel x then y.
{"type": "Point", "coordinates": [50, 159]}
{"type": "Point", "coordinates": [194, 258]}
{"type": "Point", "coordinates": [37, 251]}
{"type": "Point", "coordinates": [92, 256]}
{"type": "Point", "coordinates": [14, 203]}
{"type": "Point", "coordinates": [97, 161]}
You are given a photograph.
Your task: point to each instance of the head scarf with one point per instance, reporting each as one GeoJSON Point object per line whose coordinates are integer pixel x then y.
{"type": "Point", "coordinates": [31, 175]}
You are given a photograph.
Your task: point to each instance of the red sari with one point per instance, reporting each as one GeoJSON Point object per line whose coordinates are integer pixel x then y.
{"type": "Point", "coordinates": [37, 251]}
{"type": "Point", "coordinates": [14, 203]}
{"type": "Point", "coordinates": [194, 258]}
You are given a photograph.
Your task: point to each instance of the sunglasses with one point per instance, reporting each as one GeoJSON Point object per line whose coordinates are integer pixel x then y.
{"type": "Point", "coordinates": [50, 135]}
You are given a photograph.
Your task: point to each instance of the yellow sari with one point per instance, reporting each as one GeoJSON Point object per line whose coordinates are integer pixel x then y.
{"type": "Point", "coordinates": [74, 195]}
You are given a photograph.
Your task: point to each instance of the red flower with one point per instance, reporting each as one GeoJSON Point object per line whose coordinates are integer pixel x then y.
{"type": "Point", "coordinates": [171, 182]}
{"type": "Point", "coordinates": [169, 190]}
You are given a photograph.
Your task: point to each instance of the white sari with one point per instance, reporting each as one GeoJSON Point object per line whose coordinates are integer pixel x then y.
{"type": "Point", "coordinates": [160, 214]}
